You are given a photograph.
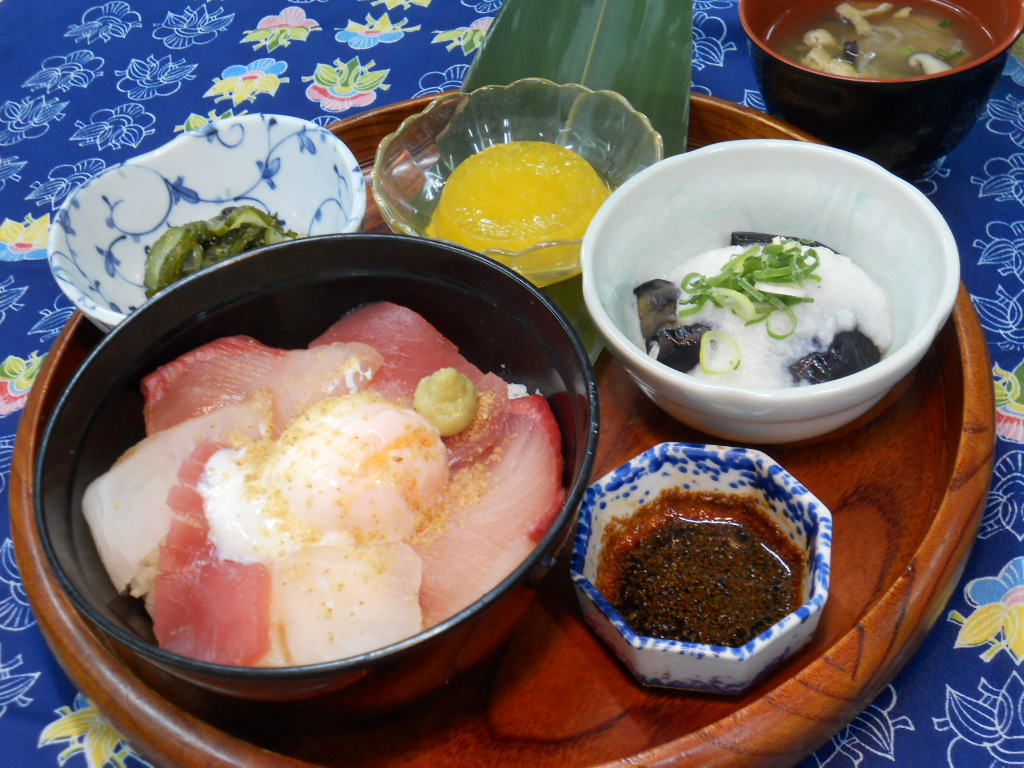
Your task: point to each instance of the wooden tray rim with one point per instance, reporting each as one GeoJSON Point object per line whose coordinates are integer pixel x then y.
{"type": "Point", "coordinates": [113, 687]}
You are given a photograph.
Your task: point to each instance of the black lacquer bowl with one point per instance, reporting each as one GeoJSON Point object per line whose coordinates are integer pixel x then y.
{"type": "Point", "coordinates": [285, 296]}
{"type": "Point", "coordinates": [903, 124]}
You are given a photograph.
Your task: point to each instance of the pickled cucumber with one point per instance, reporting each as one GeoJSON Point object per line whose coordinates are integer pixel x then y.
{"type": "Point", "coordinates": [185, 249]}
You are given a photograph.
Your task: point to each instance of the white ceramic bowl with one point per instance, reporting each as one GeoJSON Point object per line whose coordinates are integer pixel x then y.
{"type": "Point", "coordinates": [289, 167]}
{"type": "Point", "coordinates": [695, 666]}
{"type": "Point", "coordinates": [690, 203]}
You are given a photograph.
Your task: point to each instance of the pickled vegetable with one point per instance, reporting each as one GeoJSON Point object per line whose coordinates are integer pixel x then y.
{"type": "Point", "coordinates": [187, 248]}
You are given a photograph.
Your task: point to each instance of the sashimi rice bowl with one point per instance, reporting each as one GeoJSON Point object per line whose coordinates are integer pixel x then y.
{"type": "Point", "coordinates": [347, 467]}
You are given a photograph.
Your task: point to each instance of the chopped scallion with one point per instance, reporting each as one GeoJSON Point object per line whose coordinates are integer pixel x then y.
{"type": "Point", "coordinates": [719, 352]}
{"type": "Point", "coordinates": [761, 283]}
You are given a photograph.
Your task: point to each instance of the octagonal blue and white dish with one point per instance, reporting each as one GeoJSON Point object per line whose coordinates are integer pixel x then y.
{"type": "Point", "coordinates": [696, 666]}
{"type": "Point", "coordinates": [291, 168]}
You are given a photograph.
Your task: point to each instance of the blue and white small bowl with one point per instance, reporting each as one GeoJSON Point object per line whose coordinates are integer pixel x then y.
{"type": "Point", "coordinates": [289, 167]}
{"type": "Point", "coordinates": [696, 666]}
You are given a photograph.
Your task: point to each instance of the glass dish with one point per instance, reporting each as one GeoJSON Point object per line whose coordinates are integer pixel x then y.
{"type": "Point", "coordinates": [413, 163]}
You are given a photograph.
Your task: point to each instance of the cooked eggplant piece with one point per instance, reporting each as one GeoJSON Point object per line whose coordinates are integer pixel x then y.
{"type": "Point", "coordinates": [679, 346]}
{"type": "Point", "coordinates": [849, 352]}
{"type": "Point", "coordinates": [656, 302]}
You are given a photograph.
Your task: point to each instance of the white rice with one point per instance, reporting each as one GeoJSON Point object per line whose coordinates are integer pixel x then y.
{"type": "Point", "coordinates": [845, 299]}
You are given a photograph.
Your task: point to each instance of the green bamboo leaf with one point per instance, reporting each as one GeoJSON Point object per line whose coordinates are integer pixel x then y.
{"type": "Point", "coordinates": [642, 49]}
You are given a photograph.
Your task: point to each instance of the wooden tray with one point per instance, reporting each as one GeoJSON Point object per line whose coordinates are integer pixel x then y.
{"type": "Point", "coordinates": [907, 486]}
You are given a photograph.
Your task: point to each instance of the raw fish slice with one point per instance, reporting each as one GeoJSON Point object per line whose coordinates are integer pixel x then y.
{"type": "Point", "coordinates": [126, 507]}
{"type": "Point", "coordinates": [229, 369]}
{"type": "Point", "coordinates": [203, 606]}
{"type": "Point", "coordinates": [332, 602]}
{"type": "Point", "coordinates": [204, 379]}
{"type": "Point", "coordinates": [304, 376]}
{"type": "Point", "coordinates": [412, 347]}
{"type": "Point", "coordinates": [489, 428]}
{"type": "Point", "coordinates": [485, 539]}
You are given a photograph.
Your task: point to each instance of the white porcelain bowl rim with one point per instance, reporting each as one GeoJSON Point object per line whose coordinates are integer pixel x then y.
{"type": "Point", "coordinates": [804, 152]}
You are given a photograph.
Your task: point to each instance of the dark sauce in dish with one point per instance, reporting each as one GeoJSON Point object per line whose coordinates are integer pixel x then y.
{"type": "Point", "coordinates": [701, 567]}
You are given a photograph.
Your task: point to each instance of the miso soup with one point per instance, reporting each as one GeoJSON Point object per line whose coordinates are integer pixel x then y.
{"type": "Point", "coordinates": [880, 40]}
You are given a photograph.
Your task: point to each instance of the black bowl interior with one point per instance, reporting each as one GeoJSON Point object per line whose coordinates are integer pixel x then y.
{"type": "Point", "coordinates": [285, 296]}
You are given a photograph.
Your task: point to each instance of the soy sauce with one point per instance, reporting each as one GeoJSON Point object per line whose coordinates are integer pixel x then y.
{"type": "Point", "coordinates": [701, 567]}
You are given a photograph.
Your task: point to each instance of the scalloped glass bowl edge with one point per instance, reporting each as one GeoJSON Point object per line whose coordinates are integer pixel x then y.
{"type": "Point", "coordinates": [413, 162]}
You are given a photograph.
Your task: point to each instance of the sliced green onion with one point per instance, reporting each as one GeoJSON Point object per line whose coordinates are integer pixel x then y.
{"type": "Point", "coordinates": [749, 288]}
{"type": "Point", "coordinates": [731, 299]}
{"type": "Point", "coordinates": [719, 352]}
{"type": "Point", "coordinates": [757, 284]}
{"type": "Point", "coordinates": [948, 56]}
{"type": "Point", "coordinates": [781, 323]}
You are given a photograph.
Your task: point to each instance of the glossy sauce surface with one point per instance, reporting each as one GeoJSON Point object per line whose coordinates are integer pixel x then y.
{"type": "Point", "coordinates": [700, 567]}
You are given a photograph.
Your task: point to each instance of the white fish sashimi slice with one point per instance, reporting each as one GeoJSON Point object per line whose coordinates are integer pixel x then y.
{"type": "Point", "coordinates": [126, 507]}
{"type": "Point", "coordinates": [338, 600]}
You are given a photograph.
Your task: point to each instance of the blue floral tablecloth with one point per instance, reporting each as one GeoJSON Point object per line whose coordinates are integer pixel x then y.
{"type": "Point", "coordinates": [87, 84]}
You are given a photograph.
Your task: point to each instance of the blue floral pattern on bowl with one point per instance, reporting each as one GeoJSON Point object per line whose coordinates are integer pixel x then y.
{"type": "Point", "coordinates": [286, 166]}
{"type": "Point", "coordinates": [696, 666]}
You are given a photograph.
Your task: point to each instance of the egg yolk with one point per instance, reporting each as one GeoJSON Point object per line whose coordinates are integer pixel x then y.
{"type": "Point", "coordinates": [511, 196]}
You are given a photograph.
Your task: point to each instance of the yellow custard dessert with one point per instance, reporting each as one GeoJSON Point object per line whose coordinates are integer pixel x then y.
{"type": "Point", "coordinates": [511, 196]}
